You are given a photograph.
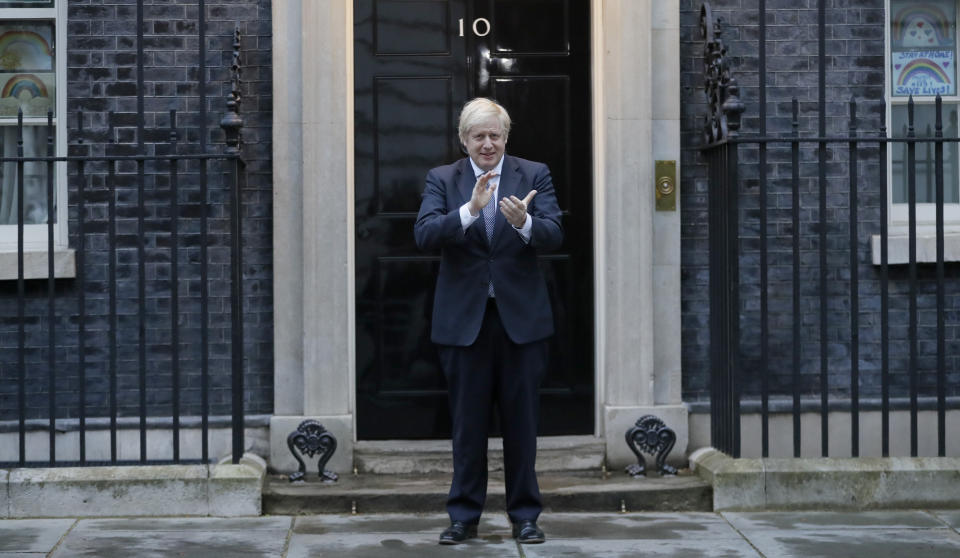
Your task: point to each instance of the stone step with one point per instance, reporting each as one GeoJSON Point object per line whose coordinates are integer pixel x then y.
{"type": "Point", "coordinates": [403, 457]}
{"type": "Point", "coordinates": [426, 493]}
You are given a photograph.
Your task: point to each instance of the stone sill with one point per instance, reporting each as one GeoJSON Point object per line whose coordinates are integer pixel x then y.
{"type": "Point", "coordinates": [828, 483]}
{"type": "Point", "coordinates": [221, 490]}
{"type": "Point", "coordinates": [898, 248]}
{"type": "Point", "coordinates": [35, 264]}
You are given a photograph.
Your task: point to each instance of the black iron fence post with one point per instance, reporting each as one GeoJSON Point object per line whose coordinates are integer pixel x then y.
{"type": "Point", "coordinates": [721, 148]}
{"type": "Point", "coordinates": [884, 297]}
{"type": "Point", "coordinates": [51, 299]}
{"type": "Point", "coordinates": [232, 125]}
{"type": "Point", "coordinates": [81, 298]}
{"type": "Point", "coordinates": [941, 318]}
{"type": "Point", "coordinates": [21, 301]}
{"type": "Point", "coordinates": [731, 310]}
{"type": "Point", "coordinates": [854, 291]}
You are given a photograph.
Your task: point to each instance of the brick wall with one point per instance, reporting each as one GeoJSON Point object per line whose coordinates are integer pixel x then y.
{"type": "Point", "coordinates": [102, 77]}
{"type": "Point", "coordinates": [854, 69]}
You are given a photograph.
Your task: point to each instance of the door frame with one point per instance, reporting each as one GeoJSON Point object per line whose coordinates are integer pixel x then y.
{"type": "Point", "coordinates": [599, 252]}
{"type": "Point", "coordinates": [637, 358]}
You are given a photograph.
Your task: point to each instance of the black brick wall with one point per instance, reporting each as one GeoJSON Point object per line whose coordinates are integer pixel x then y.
{"type": "Point", "coordinates": [102, 77]}
{"type": "Point", "coordinates": [854, 52]}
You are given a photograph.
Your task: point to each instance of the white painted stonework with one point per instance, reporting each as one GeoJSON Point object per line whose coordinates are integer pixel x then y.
{"type": "Point", "coordinates": [639, 272]}
{"type": "Point", "coordinates": [35, 264]}
{"type": "Point", "coordinates": [312, 217]}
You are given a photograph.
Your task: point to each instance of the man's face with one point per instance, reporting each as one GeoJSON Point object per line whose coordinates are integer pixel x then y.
{"type": "Point", "coordinates": [485, 143]}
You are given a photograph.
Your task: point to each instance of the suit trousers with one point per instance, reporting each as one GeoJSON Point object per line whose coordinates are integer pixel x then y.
{"type": "Point", "coordinates": [494, 369]}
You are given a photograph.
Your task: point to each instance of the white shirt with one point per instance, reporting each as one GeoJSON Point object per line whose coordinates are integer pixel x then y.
{"type": "Point", "coordinates": [466, 219]}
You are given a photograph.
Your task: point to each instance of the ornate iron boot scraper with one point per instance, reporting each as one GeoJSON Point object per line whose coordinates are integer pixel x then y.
{"type": "Point", "coordinates": [650, 435]}
{"type": "Point", "coordinates": [312, 438]}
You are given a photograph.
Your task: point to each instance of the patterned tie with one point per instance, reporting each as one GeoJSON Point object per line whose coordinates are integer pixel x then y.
{"type": "Point", "coordinates": [489, 218]}
{"type": "Point", "coordinates": [489, 215]}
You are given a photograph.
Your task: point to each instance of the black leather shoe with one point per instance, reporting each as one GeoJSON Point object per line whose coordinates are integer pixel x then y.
{"type": "Point", "coordinates": [457, 532]}
{"type": "Point", "coordinates": [527, 532]}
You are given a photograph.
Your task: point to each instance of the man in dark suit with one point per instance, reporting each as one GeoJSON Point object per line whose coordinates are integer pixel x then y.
{"type": "Point", "coordinates": [491, 313]}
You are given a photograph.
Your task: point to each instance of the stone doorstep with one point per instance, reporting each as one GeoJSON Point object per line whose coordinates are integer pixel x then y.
{"type": "Point", "coordinates": [403, 457]}
{"type": "Point", "coordinates": [224, 490]}
{"type": "Point", "coordinates": [562, 492]}
{"type": "Point", "coordinates": [829, 483]}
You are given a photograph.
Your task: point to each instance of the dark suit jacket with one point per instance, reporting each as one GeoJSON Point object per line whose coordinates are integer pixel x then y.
{"type": "Point", "coordinates": [469, 261]}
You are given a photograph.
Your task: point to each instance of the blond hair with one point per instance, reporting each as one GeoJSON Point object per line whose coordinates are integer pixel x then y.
{"type": "Point", "coordinates": [478, 110]}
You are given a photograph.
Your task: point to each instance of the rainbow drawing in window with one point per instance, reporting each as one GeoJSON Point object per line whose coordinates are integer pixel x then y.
{"type": "Point", "coordinates": [923, 25]}
{"type": "Point", "coordinates": [924, 72]}
{"type": "Point", "coordinates": [24, 87]}
{"type": "Point", "coordinates": [25, 50]}
{"type": "Point", "coordinates": [31, 92]}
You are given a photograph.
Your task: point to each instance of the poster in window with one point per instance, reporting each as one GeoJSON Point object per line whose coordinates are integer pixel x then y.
{"type": "Point", "coordinates": [27, 78]}
{"type": "Point", "coordinates": [924, 72]}
{"type": "Point", "coordinates": [32, 92]}
{"type": "Point", "coordinates": [26, 47]}
{"type": "Point", "coordinates": [923, 25]}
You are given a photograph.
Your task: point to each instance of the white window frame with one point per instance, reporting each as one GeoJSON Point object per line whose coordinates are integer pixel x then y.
{"type": "Point", "coordinates": [35, 235]}
{"type": "Point", "coordinates": [898, 213]}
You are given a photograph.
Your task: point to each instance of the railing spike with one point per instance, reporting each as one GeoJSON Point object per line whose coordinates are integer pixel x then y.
{"type": "Point", "coordinates": [939, 110]}
{"type": "Point", "coordinates": [910, 116]}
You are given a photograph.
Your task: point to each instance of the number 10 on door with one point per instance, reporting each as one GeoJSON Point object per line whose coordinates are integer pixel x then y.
{"type": "Point", "coordinates": [477, 23]}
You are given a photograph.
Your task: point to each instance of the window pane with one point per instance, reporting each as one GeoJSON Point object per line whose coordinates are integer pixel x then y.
{"type": "Point", "coordinates": [34, 176]}
{"type": "Point", "coordinates": [923, 47]}
{"type": "Point", "coordinates": [27, 78]}
{"type": "Point", "coordinates": [924, 121]}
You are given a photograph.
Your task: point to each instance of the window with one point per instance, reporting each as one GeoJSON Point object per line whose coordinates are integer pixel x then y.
{"type": "Point", "coordinates": [32, 79]}
{"type": "Point", "coordinates": [922, 58]}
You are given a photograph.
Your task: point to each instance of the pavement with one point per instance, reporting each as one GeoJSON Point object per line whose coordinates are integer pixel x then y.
{"type": "Point", "coordinates": [875, 534]}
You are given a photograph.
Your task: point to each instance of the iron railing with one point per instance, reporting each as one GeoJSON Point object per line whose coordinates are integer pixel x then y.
{"type": "Point", "coordinates": [218, 175]}
{"type": "Point", "coordinates": [742, 369]}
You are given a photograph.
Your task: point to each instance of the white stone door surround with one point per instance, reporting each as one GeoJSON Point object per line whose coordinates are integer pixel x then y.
{"type": "Point", "coordinates": [636, 92]}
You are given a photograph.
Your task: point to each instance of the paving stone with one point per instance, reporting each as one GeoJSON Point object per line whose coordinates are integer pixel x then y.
{"type": "Point", "coordinates": [398, 545]}
{"type": "Point", "coordinates": [687, 548]}
{"type": "Point", "coordinates": [31, 535]}
{"type": "Point", "coordinates": [636, 526]}
{"type": "Point", "coordinates": [185, 524]}
{"type": "Point", "coordinates": [647, 534]}
{"type": "Point", "coordinates": [378, 524]}
{"type": "Point", "coordinates": [184, 538]}
{"type": "Point", "coordinates": [394, 535]}
{"type": "Point", "coordinates": [821, 521]}
{"type": "Point", "coordinates": [844, 543]}
{"type": "Point", "coordinates": [951, 518]}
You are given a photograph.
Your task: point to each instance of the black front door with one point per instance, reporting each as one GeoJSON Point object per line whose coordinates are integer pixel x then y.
{"type": "Point", "coordinates": [415, 63]}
